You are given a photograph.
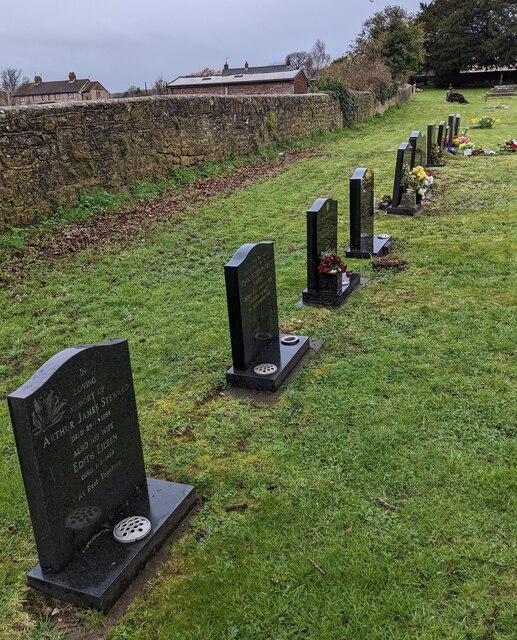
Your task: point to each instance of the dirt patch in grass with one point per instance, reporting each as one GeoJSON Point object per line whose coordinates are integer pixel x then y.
{"type": "Point", "coordinates": [388, 262]}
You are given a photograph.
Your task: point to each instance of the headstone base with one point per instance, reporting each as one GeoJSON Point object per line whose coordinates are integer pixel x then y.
{"type": "Point", "coordinates": [381, 247]}
{"type": "Point", "coordinates": [335, 299]}
{"type": "Point", "coordinates": [290, 355]}
{"type": "Point", "coordinates": [404, 211]}
{"type": "Point", "coordinates": [101, 572]}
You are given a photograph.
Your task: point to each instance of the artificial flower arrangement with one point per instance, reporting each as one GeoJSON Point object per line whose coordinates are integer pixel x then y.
{"type": "Point", "coordinates": [508, 146]}
{"type": "Point", "coordinates": [457, 140]}
{"type": "Point", "coordinates": [437, 159]}
{"type": "Point", "coordinates": [460, 143]}
{"type": "Point", "coordinates": [418, 180]}
{"type": "Point", "coordinates": [384, 201]}
{"type": "Point", "coordinates": [331, 263]}
{"type": "Point", "coordinates": [466, 146]}
{"type": "Point", "coordinates": [463, 145]}
{"type": "Point", "coordinates": [486, 122]}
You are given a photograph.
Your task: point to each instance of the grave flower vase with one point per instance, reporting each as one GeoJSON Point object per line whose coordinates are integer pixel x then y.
{"type": "Point", "coordinates": [408, 199]}
{"type": "Point", "coordinates": [330, 282]}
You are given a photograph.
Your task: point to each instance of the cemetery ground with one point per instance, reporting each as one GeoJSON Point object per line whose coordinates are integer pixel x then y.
{"type": "Point", "coordinates": [381, 489]}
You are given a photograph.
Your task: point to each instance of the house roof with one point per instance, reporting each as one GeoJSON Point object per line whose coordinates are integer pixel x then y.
{"type": "Point", "coordinates": [272, 68]}
{"type": "Point", "coordinates": [237, 78]}
{"type": "Point", "coordinates": [58, 86]}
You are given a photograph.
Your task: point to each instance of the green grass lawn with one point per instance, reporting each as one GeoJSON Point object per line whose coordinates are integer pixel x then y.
{"type": "Point", "coordinates": [411, 399]}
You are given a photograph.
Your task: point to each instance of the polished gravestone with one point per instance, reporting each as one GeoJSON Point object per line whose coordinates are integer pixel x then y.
{"type": "Point", "coordinates": [400, 204]}
{"type": "Point", "coordinates": [430, 142]}
{"type": "Point", "coordinates": [363, 242]}
{"type": "Point", "coordinates": [78, 439]}
{"type": "Point", "coordinates": [457, 124]}
{"type": "Point", "coordinates": [325, 288]}
{"type": "Point", "coordinates": [262, 357]}
{"type": "Point", "coordinates": [440, 140]}
{"type": "Point", "coordinates": [418, 149]}
{"type": "Point", "coordinates": [450, 128]}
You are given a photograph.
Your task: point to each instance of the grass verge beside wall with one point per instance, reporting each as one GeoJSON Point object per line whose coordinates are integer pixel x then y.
{"type": "Point", "coordinates": [50, 153]}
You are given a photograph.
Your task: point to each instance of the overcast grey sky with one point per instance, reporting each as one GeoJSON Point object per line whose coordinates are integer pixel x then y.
{"type": "Point", "coordinates": [123, 42]}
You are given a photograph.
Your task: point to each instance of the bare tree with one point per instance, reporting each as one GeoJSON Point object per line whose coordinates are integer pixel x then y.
{"type": "Point", "coordinates": [319, 56]}
{"type": "Point", "coordinates": [205, 73]}
{"type": "Point", "coordinates": [299, 60]}
{"type": "Point", "coordinates": [10, 80]}
{"type": "Point", "coordinates": [312, 61]}
{"type": "Point", "coordinates": [160, 86]}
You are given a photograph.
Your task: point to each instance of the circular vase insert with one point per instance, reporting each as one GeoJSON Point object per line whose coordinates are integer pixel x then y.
{"type": "Point", "coordinates": [290, 340]}
{"type": "Point", "coordinates": [265, 369]}
{"type": "Point", "coordinates": [131, 529]}
{"type": "Point", "coordinates": [82, 517]}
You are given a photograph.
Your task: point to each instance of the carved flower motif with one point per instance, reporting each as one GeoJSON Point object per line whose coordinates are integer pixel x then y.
{"type": "Point", "coordinates": [48, 411]}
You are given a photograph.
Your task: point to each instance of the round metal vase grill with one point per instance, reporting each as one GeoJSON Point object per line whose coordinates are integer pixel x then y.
{"type": "Point", "coordinates": [290, 340]}
{"type": "Point", "coordinates": [265, 369]}
{"type": "Point", "coordinates": [131, 529]}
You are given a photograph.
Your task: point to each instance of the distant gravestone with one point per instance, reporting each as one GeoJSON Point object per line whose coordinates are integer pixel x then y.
{"type": "Point", "coordinates": [363, 242]}
{"type": "Point", "coordinates": [76, 428]}
{"type": "Point", "coordinates": [457, 124]}
{"type": "Point", "coordinates": [325, 288]}
{"type": "Point", "coordinates": [430, 142]}
{"type": "Point", "coordinates": [419, 149]}
{"type": "Point", "coordinates": [451, 129]}
{"type": "Point", "coordinates": [398, 206]}
{"type": "Point", "coordinates": [262, 357]}
{"type": "Point", "coordinates": [440, 140]}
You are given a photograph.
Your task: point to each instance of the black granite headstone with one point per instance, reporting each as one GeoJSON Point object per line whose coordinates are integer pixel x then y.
{"type": "Point", "coordinates": [262, 357]}
{"type": "Point", "coordinates": [363, 242]}
{"type": "Point", "coordinates": [440, 140]}
{"type": "Point", "coordinates": [430, 142]}
{"type": "Point", "coordinates": [398, 207]}
{"type": "Point", "coordinates": [419, 149]}
{"type": "Point", "coordinates": [76, 428]}
{"type": "Point", "coordinates": [457, 124]}
{"type": "Point", "coordinates": [325, 288]}
{"type": "Point", "coordinates": [451, 129]}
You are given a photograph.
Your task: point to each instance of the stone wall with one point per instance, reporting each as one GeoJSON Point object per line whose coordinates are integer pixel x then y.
{"type": "Point", "coordinates": [48, 154]}
{"type": "Point", "coordinates": [368, 105]}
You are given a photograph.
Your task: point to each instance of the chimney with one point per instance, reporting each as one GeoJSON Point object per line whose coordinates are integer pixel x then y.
{"type": "Point", "coordinates": [226, 67]}
{"type": "Point", "coordinates": [288, 61]}
{"type": "Point", "coordinates": [72, 77]}
{"type": "Point", "coordinates": [246, 65]}
{"type": "Point", "coordinates": [37, 80]}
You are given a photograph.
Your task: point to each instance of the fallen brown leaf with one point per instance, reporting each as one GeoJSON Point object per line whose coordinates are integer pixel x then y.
{"type": "Point", "coordinates": [383, 502]}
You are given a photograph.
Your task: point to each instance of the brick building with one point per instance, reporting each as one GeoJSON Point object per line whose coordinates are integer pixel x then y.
{"type": "Point", "coordinates": [39, 92]}
{"type": "Point", "coordinates": [243, 81]}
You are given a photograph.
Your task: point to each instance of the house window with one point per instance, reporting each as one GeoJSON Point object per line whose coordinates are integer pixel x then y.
{"type": "Point", "coordinates": [70, 95]}
{"type": "Point", "coordinates": [57, 96]}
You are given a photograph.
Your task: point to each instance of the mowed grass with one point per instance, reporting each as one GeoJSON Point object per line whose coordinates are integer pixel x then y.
{"type": "Point", "coordinates": [411, 399]}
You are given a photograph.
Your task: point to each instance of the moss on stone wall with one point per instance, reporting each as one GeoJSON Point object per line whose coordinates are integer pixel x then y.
{"type": "Point", "coordinates": [51, 153]}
